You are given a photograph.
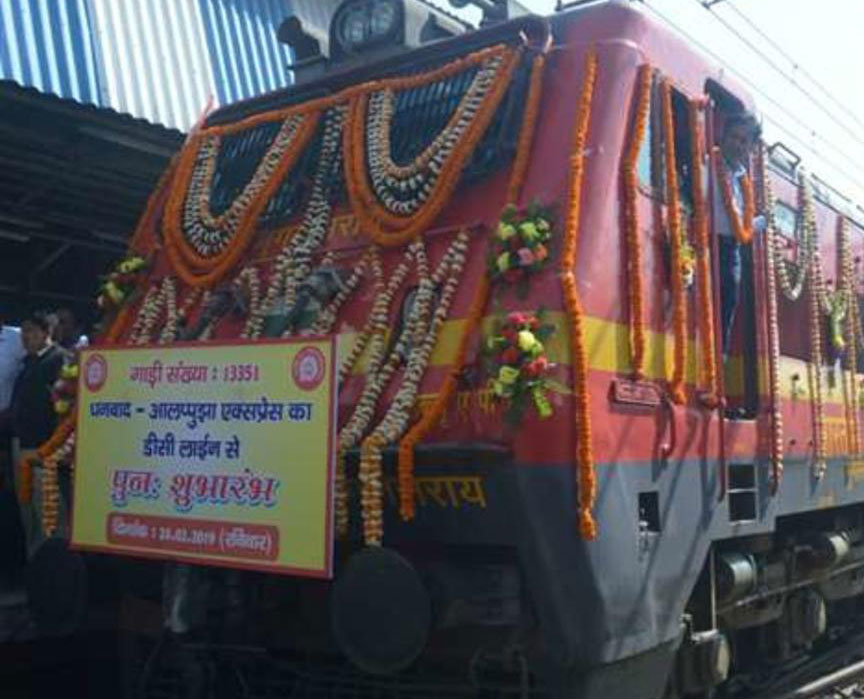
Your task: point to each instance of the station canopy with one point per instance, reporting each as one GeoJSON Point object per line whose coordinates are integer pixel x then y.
{"type": "Point", "coordinates": [74, 178]}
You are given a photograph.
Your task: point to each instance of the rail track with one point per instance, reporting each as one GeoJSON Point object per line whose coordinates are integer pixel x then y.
{"type": "Point", "coordinates": [835, 673]}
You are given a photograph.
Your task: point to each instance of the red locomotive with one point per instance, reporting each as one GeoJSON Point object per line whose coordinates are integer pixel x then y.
{"type": "Point", "coordinates": [552, 476]}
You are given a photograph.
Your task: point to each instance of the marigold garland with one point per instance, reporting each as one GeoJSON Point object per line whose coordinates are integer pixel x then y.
{"type": "Point", "coordinates": [814, 367]}
{"type": "Point", "coordinates": [711, 388]}
{"type": "Point", "coordinates": [385, 228]}
{"type": "Point", "coordinates": [579, 357]}
{"type": "Point", "coordinates": [193, 269]}
{"type": "Point", "coordinates": [147, 220]}
{"type": "Point", "coordinates": [61, 433]}
{"type": "Point", "coordinates": [673, 216]}
{"type": "Point", "coordinates": [433, 414]}
{"type": "Point", "coordinates": [427, 322]}
{"type": "Point", "coordinates": [51, 485]}
{"type": "Point", "coordinates": [630, 216]}
{"type": "Point", "coordinates": [528, 130]}
{"type": "Point", "coordinates": [743, 230]}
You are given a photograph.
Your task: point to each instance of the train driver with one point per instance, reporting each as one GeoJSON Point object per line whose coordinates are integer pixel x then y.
{"type": "Point", "coordinates": [741, 133]}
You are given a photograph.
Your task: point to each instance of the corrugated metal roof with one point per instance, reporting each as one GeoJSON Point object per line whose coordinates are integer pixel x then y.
{"type": "Point", "coordinates": [160, 60]}
{"type": "Point", "coordinates": [247, 58]}
{"type": "Point", "coordinates": [154, 58]}
{"type": "Point", "coordinates": [48, 44]}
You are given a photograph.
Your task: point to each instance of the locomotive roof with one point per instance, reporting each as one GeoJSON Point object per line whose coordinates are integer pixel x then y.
{"type": "Point", "coordinates": [607, 22]}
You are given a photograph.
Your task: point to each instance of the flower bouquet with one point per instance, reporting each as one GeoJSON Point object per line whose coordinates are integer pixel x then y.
{"type": "Point", "coordinates": [518, 365]}
{"type": "Point", "coordinates": [120, 283]}
{"type": "Point", "coordinates": [521, 244]}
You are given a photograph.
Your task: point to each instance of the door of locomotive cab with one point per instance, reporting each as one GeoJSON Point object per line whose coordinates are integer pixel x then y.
{"type": "Point", "coordinates": [735, 272]}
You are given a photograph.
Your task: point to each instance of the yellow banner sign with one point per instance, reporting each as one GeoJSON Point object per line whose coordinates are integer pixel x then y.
{"type": "Point", "coordinates": [213, 454]}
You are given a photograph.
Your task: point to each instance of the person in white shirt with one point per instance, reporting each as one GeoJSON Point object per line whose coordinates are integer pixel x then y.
{"type": "Point", "coordinates": [11, 362]}
{"type": "Point", "coordinates": [11, 355]}
{"type": "Point", "coordinates": [735, 221]}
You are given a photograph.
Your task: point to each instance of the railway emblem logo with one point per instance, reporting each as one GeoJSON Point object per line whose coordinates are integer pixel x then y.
{"type": "Point", "coordinates": [95, 372]}
{"type": "Point", "coordinates": [308, 368]}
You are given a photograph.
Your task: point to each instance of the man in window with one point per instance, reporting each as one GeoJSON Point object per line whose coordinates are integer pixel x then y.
{"type": "Point", "coordinates": [735, 221]}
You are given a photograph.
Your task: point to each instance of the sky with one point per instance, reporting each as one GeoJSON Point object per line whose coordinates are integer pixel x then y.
{"type": "Point", "coordinates": [822, 121]}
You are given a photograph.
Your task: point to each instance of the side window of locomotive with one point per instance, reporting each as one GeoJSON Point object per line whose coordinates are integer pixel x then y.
{"type": "Point", "coordinates": [652, 154]}
{"type": "Point", "coordinates": [786, 217]}
{"type": "Point", "coordinates": [683, 145]}
{"type": "Point", "coordinates": [644, 167]}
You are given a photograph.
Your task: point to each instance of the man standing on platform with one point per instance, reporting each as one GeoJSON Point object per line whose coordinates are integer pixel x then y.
{"type": "Point", "coordinates": [33, 416]}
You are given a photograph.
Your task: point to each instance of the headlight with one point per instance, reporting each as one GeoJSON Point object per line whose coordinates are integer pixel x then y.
{"type": "Point", "coordinates": [382, 18]}
{"type": "Point", "coordinates": [352, 28]}
{"type": "Point", "coordinates": [361, 23]}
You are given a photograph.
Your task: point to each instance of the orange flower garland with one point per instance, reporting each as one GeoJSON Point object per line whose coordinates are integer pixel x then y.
{"type": "Point", "coordinates": [673, 214]}
{"type": "Point", "coordinates": [148, 219]}
{"type": "Point", "coordinates": [703, 261]}
{"type": "Point", "coordinates": [61, 433]}
{"type": "Point", "coordinates": [433, 414]}
{"type": "Point", "coordinates": [390, 230]}
{"type": "Point", "coordinates": [743, 230]}
{"type": "Point", "coordinates": [528, 130]}
{"type": "Point", "coordinates": [579, 358]}
{"type": "Point", "coordinates": [209, 271]}
{"type": "Point", "coordinates": [630, 214]}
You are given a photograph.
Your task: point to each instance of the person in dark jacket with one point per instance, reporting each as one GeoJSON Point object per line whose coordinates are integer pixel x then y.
{"type": "Point", "coordinates": [33, 416]}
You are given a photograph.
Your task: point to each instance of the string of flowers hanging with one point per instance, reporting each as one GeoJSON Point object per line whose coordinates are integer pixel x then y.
{"type": "Point", "coordinates": [773, 328]}
{"type": "Point", "coordinates": [379, 370]}
{"type": "Point", "coordinates": [676, 240]}
{"type": "Point", "coordinates": [161, 298]}
{"type": "Point", "coordinates": [427, 323]}
{"type": "Point", "coordinates": [710, 384]}
{"type": "Point", "coordinates": [578, 357]}
{"type": "Point", "coordinates": [204, 248]}
{"type": "Point", "coordinates": [791, 275]}
{"type": "Point", "coordinates": [847, 289]}
{"type": "Point", "coordinates": [433, 413]}
{"type": "Point", "coordinates": [742, 223]}
{"type": "Point", "coordinates": [630, 216]}
{"type": "Point", "coordinates": [814, 366]}
{"type": "Point", "coordinates": [386, 220]}
{"type": "Point", "coordinates": [294, 262]}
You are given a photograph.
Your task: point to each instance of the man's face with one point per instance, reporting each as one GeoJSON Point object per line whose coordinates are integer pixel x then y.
{"type": "Point", "coordinates": [33, 337]}
{"type": "Point", "coordinates": [737, 143]}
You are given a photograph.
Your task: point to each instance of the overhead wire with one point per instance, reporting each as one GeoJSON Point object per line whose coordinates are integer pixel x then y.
{"type": "Point", "coordinates": [852, 179]}
{"type": "Point", "coordinates": [779, 69]}
{"type": "Point", "coordinates": [795, 65]}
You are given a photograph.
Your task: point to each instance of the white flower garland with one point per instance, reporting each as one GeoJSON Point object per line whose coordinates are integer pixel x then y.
{"type": "Point", "coordinates": [415, 181]}
{"type": "Point", "coordinates": [378, 372]}
{"type": "Point", "coordinates": [773, 333]}
{"type": "Point", "coordinates": [255, 319]}
{"type": "Point", "coordinates": [161, 297]}
{"type": "Point", "coordinates": [207, 234]}
{"type": "Point", "coordinates": [398, 415]}
{"type": "Point", "coordinates": [294, 262]}
{"type": "Point", "coordinates": [791, 276]}
{"type": "Point", "coordinates": [327, 317]}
